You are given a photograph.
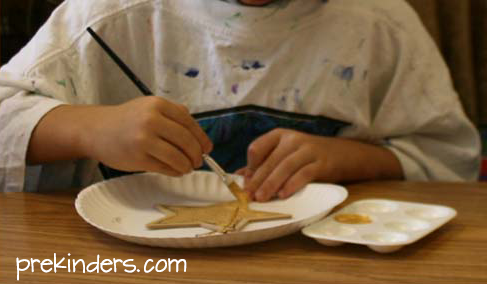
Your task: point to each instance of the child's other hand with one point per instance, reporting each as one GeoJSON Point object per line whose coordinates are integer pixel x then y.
{"type": "Point", "coordinates": [283, 161]}
{"type": "Point", "coordinates": [147, 134]}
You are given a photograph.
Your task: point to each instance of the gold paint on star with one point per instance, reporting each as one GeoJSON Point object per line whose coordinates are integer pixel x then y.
{"type": "Point", "coordinates": [222, 217]}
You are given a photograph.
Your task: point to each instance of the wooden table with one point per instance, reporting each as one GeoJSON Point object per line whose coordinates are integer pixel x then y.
{"type": "Point", "coordinates": [39, 225]}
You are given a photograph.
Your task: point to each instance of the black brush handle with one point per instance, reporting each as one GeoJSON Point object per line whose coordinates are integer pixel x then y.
{"type": "Point", "coordinates": [142, 87]}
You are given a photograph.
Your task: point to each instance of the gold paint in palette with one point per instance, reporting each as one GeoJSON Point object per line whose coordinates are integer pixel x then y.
{"type": "Point", "coordinates": [354, 219]}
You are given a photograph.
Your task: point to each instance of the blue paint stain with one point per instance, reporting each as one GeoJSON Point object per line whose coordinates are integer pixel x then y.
{"type": "Point", "coordinates": [235, 89]}
{"type": "Point", "coordinates": [386, 141]}
{"type": "Point", "coordinates": [192, 73]}
{"type": "Point", "coordinates": [345, 73]}
{"type": "Point", "coordinates": [252, 64]}
{"type": "Point", "coordinates": [297, 98]}
{"type": "Point", "coordinates": [282, 101]}
{"type": "Point", "coordinates": [257, 65]}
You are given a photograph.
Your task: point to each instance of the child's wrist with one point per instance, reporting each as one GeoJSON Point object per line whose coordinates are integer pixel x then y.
{"type": "Point", "coordinates": [354, 160]}
{"type": "Point", "coordinates": [86, 132]}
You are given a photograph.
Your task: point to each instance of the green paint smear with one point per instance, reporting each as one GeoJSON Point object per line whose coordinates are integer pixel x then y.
{"type": "Point", "coordinates": [294, 24]}
{"type": "Point", "coordinates": [236, 16]}
{"type": "Point", "coordinates": [233, 17]}
{"type": "Point", "coordinates": [75, 92]}
{"type": "Point", "coordinates": [61, 83]}
{"type": "Point", "coordinates": [313, 90]}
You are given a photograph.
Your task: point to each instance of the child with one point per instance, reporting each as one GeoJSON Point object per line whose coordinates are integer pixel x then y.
{"type": "Point", "coordinates": [289, 93]}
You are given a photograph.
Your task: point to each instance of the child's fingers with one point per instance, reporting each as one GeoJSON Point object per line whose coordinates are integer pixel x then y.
{"type": "Point", "coordinates": [247, 175]}
{"type": "Point", "coordinates": [195, 128]}
{"type": "Point", "coordinates": [299, 180]}
{"type": "Point", "coordinates": [154, 165]}
{"type": "Point", "coordinates": [241, 172]}
{"type": "Point", "coordinates": [181, 115]}
{"type": "Point", "coordinates": [263, 172]}
{"type": "Point", "coordinates": [169, 155]}
{"type": "Point", "coordinates": [261, 148]}
{"type": "Point", "coordinates": [290, 165]}
{"type": "Point", "coordinates": [181, 138]}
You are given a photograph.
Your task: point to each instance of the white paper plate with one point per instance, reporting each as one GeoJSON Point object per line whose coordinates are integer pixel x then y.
{"type": "Point", "coordinates": [123, 206]}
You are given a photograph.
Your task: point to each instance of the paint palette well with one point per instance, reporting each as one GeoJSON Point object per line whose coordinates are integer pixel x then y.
{"type": "Point", "coordinates": [383, 225]}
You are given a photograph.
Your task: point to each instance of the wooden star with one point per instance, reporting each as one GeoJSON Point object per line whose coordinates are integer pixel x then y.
{"type": "Point", "coordinates": [222, 217]}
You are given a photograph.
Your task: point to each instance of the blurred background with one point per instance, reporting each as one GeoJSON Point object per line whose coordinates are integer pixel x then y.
{"type": "Point", "coordinates": [459, 27]}
{"type": "Point", "coordinates": [19, 20]}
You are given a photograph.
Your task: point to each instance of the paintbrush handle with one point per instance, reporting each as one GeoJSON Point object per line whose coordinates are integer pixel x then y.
{"type": "Point", "coordinates": [140, 85]}
{"type": "Point", "coordinates": [234, 188]}
{"type": "Point", "coordinates": [217, 169]}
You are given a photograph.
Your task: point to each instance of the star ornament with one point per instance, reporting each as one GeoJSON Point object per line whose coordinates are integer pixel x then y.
{"type": "Point", "coordinates": [222, 217]}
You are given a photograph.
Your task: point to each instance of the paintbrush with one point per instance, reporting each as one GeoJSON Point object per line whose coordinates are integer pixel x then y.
{"type": "Point", "coordinates": [241, 196]}
{"type": "Point", "coordinates": [142, 87]}
{"type": "Point", "coordinates": [229, 182]}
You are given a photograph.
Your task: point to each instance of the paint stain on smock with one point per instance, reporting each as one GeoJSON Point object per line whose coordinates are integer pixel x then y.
{"type": "Point", "coordinates": [345, 73]}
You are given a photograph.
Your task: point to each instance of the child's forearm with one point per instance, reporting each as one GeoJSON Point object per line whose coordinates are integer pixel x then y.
{"type": "Point", "coordinates": [145, 134]}
{"type": "Point", "coordinates": [61, 134]}
{"type": "Point", "coordinates": [284, 161]}
{"type": "Point", "coordinates": [362, 161]}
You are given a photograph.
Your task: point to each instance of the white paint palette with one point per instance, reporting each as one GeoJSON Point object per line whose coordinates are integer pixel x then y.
{"type": "Point", "coordinates": [391, 224]}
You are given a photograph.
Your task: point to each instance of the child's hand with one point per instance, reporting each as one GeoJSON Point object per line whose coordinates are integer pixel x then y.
{"type": "Point", "coordinates": [147, 134]}
{"type": "Point", "coordinates": [283, 161]}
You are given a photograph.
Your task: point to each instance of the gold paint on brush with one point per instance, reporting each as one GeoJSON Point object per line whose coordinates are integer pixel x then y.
{"type": "Point", "coordinates": [239, 194]}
